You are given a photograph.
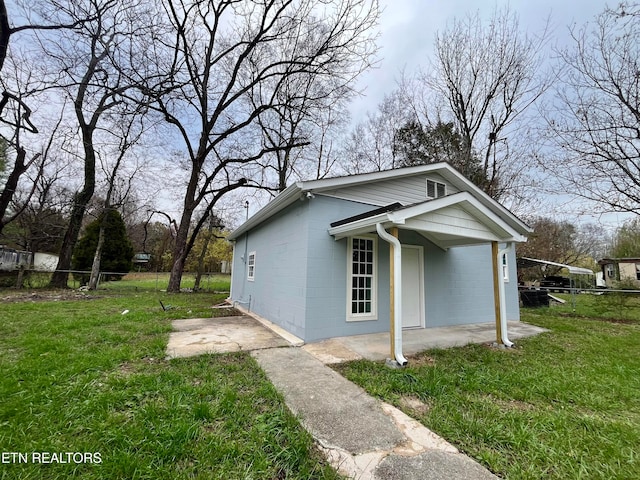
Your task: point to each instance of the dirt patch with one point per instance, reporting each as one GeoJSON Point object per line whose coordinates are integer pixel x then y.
{"type": "Point", "coordinates": [495, 346]}
{"type": "Point", "coordinates": [511, 404]}
{"type": "Point", "coordinates": [626, 321]}
{"type": "Point", "coordinates": [44, 296]}
{"type": "Point", "coordinates": [421, 359]}
{"type": "Point", "coordinates": [414, 404]}
{"type": "Point", "coordinates": [225, 310]}
{"type": "Point", "coordinates": [129, 368]}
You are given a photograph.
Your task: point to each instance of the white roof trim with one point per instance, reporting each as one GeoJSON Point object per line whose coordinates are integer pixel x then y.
{"type": "Point", "coordinates": [403, 216]}
{"type": "Point", "coordinates": [294, 192]}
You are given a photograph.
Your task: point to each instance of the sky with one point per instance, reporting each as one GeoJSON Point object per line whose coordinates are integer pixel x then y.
{"type": "Point", "coordinates": [408, 29]}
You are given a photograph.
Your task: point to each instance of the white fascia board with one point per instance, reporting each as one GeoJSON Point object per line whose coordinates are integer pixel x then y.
{"type": "Point", "coordinates": [403, 216]}
{"type": "Point", "coordinates": [463, 183]}
{"type": "Point", "coordinates": [466, 201]}
{"type": "Point", "coordinates": [293, 192]}
{"type": "Point", "coordinates": [358, 227]}
{"type": "Point", "coordinates": [442, 168]}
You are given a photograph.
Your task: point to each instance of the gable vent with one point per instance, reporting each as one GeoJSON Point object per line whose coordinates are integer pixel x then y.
{"type": "Point", "coordinates": [435, 189]}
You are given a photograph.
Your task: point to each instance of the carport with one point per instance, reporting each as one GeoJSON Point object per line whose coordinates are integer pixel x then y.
{"type": "Point", "coordinates": [526, 262]}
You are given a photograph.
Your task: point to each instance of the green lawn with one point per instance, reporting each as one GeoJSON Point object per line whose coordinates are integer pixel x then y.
{"type": "Point", "coordinates": [562, 405]}
{"type": "Point", "coordinates": [80, 376]}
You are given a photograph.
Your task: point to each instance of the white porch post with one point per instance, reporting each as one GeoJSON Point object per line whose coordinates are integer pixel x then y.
{"type": "Point", "coordinates": [499, 296]}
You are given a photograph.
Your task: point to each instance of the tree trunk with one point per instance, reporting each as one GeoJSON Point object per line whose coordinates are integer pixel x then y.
{"type": "Point", "coordinates": [203, 253]}
{"type": "Point", "coordinates": [180, 252]}
{"type": "Point", "coordinates": [11, 185]}
{"type": "Point", "coordinates": [95, 267]}
{"type": "Point", "coordinates": [175, 279]}
{"type": "Point", "coordinates": [60, 277]}
{"type": "Point", "coordinates": [5, 32]}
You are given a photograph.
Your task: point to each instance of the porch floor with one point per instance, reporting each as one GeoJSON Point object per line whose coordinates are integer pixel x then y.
{"type": "Point", "coordinates": [376, 346]}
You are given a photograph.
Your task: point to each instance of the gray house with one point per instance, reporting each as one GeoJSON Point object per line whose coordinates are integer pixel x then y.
{"type": "Point", "coordinates": [319, 260]}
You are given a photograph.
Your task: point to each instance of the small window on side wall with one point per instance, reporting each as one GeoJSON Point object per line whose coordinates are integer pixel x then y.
{"type": "Point", "coordinates": [505, 268]}
{"type": "Point", "coordinates": [251, 266]}
{"type": "Point", "coordinates": [435, 189]}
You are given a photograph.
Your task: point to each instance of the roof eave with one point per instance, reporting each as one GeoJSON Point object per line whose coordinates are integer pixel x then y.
{"type": "Point", "coordinates": [288, 196]}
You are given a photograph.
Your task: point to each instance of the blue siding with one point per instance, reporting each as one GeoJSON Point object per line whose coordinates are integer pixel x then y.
{"type": "Point", "coordinates": [459, 284]}
{"type": "Point", "coordinates": [278, 292]}
{"type": "Point", "coordinates": [301, 275]}
{"type": "Point", "coordinates": [327, 275]}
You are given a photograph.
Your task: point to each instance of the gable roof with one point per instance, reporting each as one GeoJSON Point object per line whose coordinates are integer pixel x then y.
{"type": "Point", "coordinates": [299, 190]}
{"type": "Point", "coordinates": [452, 220]}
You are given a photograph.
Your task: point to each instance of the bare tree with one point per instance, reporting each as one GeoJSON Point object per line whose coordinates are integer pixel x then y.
{"type": "Point", "coordinates": [219, 54]}
{"type": "Point", "coordinates": [23, 160]}
{"type": "Point", "coordinates": [595, 118]}
{"type": "Point", "coordinates": [7, 29]}
{"type": "Point", "coordinates": [20, 90]}
{"type": "Point", "coordinates": [20, 136]}
{"type": "Point", "coordinates": [128, 135]}
{"type": "Point", "coordinates": [214, 226]}
{"type": "Point", "coordinates": [370, 145]}
{"type": "Point", "coordinates": [487, 75]}
{"type": "Point", "coordinates": [296, 128]}
{"type": "Point", "coordinates": [41, 225]}
{"type": "Point", "coordinates": [85, 59]}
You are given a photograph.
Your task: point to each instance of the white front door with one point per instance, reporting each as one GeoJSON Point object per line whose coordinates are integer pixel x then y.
{"type": "Point", "coordinates": [412, 287]}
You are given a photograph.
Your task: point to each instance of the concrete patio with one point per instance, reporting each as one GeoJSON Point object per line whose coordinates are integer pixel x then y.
{"type": "Point", "coordinates": [197, 336]}
{"type": "Point", "coordinates": [245, 332]}
{"type": "Point", "coordinates": [377, 346]}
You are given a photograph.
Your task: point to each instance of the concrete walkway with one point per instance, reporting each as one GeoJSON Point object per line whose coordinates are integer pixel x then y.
{"type": "Point", "coordinates": [363, 438]}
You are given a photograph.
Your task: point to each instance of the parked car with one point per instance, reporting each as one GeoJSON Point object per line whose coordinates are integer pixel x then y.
{"type": "Point", "coordinates": [556, 283]}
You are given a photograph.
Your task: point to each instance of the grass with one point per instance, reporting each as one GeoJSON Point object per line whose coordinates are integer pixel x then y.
{"type": "Point", "coordinates": [564, 404]}
{"type": "Point", "coordinates": [148, 281]}
{"type": "Point", "coordinates": [78, 375]}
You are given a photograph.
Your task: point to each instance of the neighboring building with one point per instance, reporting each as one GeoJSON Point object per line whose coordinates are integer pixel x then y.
{"type": "Point", "coordinates": [12, 259]}
{"type": "Point", "coordinates": [316, 259]}
{"type": "Point", "coordinates": [45, 262]}
{"type": "Point", "coordinates": [141, 260]}
{"type": "Point", "coordinates": [620, 270]}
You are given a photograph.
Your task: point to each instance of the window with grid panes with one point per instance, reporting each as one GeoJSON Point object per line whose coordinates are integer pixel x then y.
{"type": "Point", "coordinates": [251, 267]}
{"type": "Point", "coordinates": [362, 298]}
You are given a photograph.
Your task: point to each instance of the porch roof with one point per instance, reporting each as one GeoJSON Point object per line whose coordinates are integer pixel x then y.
{"type": "Point", "coordinates": [453, 220]}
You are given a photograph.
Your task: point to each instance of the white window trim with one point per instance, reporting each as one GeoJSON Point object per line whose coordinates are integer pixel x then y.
{"type": "Point", "coordinates": [436, 183]}
{"type": "Point", "coordinates": [251, 272]}
{"type": "Point", "coordinates": [373, 315]}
